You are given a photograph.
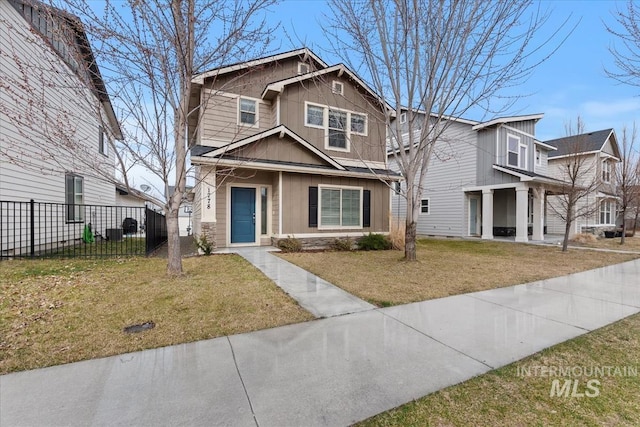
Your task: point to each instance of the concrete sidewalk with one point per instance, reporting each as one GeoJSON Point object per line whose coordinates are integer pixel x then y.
{"type": "Point", "coordinates": [332, 371]}
{"type": "Point", "coordinates": [319, 297]}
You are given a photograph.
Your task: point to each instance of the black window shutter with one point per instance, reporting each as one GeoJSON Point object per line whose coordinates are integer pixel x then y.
{"type": "Point", "coordinates": [366, 208]}
{"type": "Point", "coordinates": [313, 207]}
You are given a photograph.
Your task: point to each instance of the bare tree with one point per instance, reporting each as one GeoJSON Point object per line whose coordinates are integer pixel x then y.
{"type": "Point", "coordinates": [627, 178]}
{"type": "Point", "coordinates": [440, 57]}
{"type": "Point", "coordinates": [54, 97]}
{"type": "Point", "coordinates": [578, 172]}
{"type": "Point", "coordinates": [626, 54]}
{"type": "Point", "coordinates": [153, 49]}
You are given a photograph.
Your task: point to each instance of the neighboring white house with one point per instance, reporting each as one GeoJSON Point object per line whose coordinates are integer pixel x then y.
{"type": "Point", "coordinates": [602, 155]}
{"type": "Point", "coordinates": [484, 179]}
{"type": "Point", "coordinates": [56, 123]}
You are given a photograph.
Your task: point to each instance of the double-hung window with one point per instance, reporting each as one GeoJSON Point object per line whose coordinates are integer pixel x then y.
{"type": "Point", "coordinates": [424, 206]}
{"type": "Point", "coordinates": [605, 211]}
{"type": "Point", "coordinates": [340, 207]}
{"type": "Point", "coordinates": [516, 152]}
{"type": "Point", "coordinates": [337, 129]}
{"type": "Point", "coordinates": [74, 198]}
{"type": "Point", "coordinates": [248, 112]}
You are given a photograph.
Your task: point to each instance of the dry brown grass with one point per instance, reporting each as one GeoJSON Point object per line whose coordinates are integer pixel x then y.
{"type": "Point", "coordinates": [583, 239]}
{"type": "Point", "coordinates": [397, 233]}
{"type": "Point", "coordinates": [631, 243]}
{"type": "Point", "coordinates": [62, 311]}
{"type": "Point", "coordinates": [446, 267]}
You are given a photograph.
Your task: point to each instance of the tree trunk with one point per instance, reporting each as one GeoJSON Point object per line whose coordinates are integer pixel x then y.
{"type": "Point", "coordinates": [174, 255]}
{"type": "Point", "coordinates": [410, 241]}
{"type": "Point", "coordinates": [635, 221]}
{"type": "Point", "coordinates": [624, 227]}
{"type": "Point", "coordinates": [565, 241]}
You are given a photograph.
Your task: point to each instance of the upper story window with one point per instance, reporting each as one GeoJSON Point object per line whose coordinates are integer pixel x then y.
{"type": "Point", "coordinates": [403, 118]}
{"type": "Point", "coordinates": [303, 68]}
{"type": "Point", "coordinates": [516, 152]}
{"type": "Point", "coordinates": [337, 87]}
{"type": "Point", "coordinates": [606, 171]}
{"type": "Point", "coordinates": [339, 125]}
{"type": "Point", "coordinates": [538, 157]}
{"type": "Point", "coordinates": [248, 111]}
{"type": "Point", "coordinates": [102, 145]}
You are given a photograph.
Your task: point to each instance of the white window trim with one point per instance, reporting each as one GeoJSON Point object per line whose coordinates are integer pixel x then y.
{"type": "Point", "coordinates": [428, 212]}
{"type": "Point", "coordinates": [403, 118]}
{"type": "Point", "coordinates": [102, 142]}
{"type": "Point", "coordinates": [337, 87]}
{"type": "Point", "coordinates": [301, 65]}
{"type": "Point", "coordinates": [257, 121]}
{"type": "Point", "coordinates": [79, 218]}
{"type": "Point", "coordinates": [325, 124]}
{"type": "Point", "coordinates": [339, 227]}
{"type": "Point", "coordinates": [611, 210]}
{"type": "Point", "coordinates": [520, 145]}
{"type": "Point", "coordinates": [538, 154]}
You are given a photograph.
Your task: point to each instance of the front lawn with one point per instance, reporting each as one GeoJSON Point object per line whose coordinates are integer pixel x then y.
{"type": "Point", "coordinates": [630, 244]}
{"type": "Point", "coordinates": [60, 311]}
{"type": "Point", "coordinates": [516, 396]}
{"type": "Point", "coordinates": [446, 267]}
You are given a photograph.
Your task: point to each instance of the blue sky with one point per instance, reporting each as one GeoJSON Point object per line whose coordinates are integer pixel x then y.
{"type": "Point", "coordinates": [571, 83]}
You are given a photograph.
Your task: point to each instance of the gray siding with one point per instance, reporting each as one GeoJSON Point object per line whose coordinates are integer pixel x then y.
{"type": "Point", "coordinates": [452, 167]}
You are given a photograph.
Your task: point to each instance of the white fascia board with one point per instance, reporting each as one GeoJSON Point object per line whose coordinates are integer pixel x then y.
{"type": "Point", "coordinates": [503, 120]}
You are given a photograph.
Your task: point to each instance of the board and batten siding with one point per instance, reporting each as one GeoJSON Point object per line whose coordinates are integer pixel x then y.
{"type": "Point", "coordinates": [295, 213]}
{"type": "Point", "coordinates": [371, 147]}
{"type": "Point", "coordinates": [452, 167]}
{"type": "Point", "coordinates": [38, 171]}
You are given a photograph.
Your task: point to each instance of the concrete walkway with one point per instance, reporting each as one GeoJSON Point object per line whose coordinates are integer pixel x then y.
{"type": "Point", "coordinates": [328, 372]}
{"type": "Point", "coordinates": [319, 297]}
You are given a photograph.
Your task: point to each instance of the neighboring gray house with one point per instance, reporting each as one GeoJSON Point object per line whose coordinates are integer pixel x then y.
{"type": "Point", "coordinates": [52, 97]}
{"type": "Point", "coordinates": [602, 156]}
{"type": "Point", "coordinates": [485, 179]}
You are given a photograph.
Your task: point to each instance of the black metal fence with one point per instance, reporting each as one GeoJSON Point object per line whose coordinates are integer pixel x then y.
{"type": "Point", "coordinates": [49, 230]}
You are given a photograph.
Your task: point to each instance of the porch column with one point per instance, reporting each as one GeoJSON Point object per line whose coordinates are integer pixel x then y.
{"type": "Point", "coordinates": [208, 205]}
{"type": "Point", "coordinates": [538, 214]}
{"type": "Point", "coordinates": [487, 214]}
{"type": "Point", "coordinates": [522, 205]}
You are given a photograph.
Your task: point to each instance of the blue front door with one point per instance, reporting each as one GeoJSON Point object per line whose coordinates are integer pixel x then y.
{"type": "Point", "coordinates": [243, 215]}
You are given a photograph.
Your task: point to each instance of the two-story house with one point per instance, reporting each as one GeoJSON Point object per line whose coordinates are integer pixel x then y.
{"type": "Point", "coordinates": [485, 179]}
{"type": "Point", "coordinates": [56, 121]}
{"type": "Point", "coordinates": [288, 146]}
{"type": "Point", "coordinates": [599, 156]}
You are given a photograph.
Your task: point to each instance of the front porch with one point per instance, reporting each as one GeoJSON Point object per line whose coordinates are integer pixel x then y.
{"type": "Point", "coordinates": [514, 211]}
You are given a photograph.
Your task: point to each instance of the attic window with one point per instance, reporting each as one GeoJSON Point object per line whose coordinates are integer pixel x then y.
{"type": "Point", "coordinates": [337, 87]}
{"type": "Point", "coordinates": [303, 68]}
{"type": "Point", "coordinates": [403, 118]}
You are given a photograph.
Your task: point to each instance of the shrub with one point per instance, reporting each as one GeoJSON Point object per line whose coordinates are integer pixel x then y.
{"type": "Point", "coordinates": [290, 244]}
{"type": "Point", "coordinates": [341, 244]}
{"type": "Point", "coordinates": [374, 242]}
{"type": "Point", "coordinates": [584, 238]}
{"type": "Point", "coordinates": [204, 244]}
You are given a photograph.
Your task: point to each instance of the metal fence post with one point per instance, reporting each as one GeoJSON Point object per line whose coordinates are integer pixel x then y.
{"type": "Point", "coordinates": [33, 228]}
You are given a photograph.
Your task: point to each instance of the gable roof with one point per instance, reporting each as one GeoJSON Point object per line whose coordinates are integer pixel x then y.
{"type": "Point", "coordinates": [275, 88]}
{"type": "Point", "coordinates": [281, 130]}
{"type": "Point", "coordinates": [508, 119]}
{"type": "Point", "coordinates": [591, 142]}
{"type": "Point", "coordinates": [305, 52]}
